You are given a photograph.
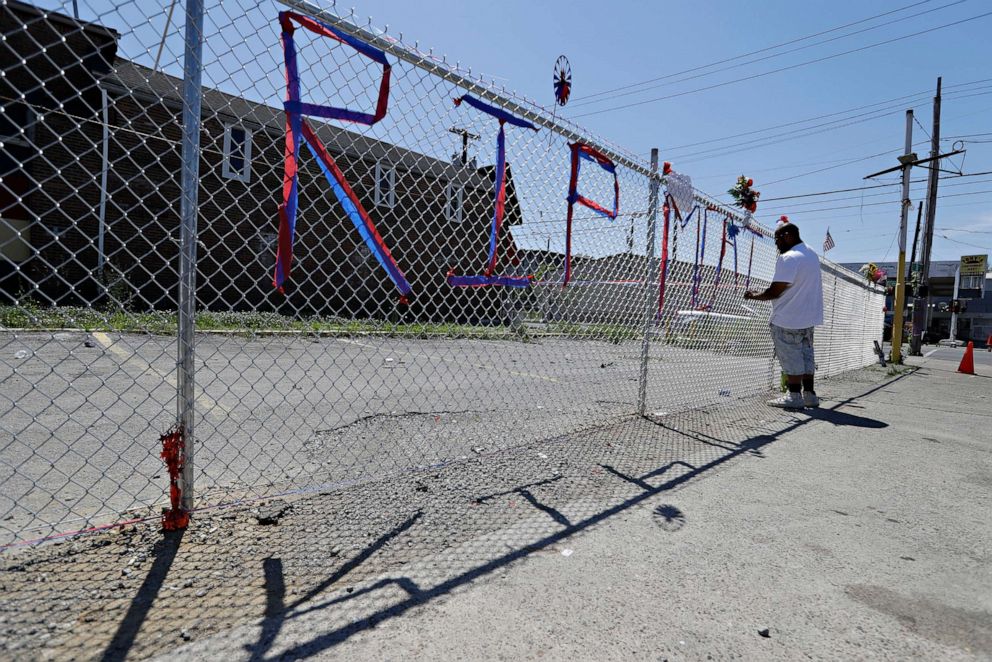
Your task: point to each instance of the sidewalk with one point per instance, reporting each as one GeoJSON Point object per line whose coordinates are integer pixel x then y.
{"type": "Point", "coordinates": [858, 531]}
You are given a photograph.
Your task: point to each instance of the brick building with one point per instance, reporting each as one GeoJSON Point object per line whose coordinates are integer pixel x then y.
{"type": "Point", "coordinates": [90, 194]}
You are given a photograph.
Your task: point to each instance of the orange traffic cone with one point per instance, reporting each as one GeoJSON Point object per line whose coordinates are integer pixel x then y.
{"type": "Point", "coordinates": [968, 360]}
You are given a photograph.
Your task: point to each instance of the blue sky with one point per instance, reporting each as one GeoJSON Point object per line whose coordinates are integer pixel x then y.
{"type": "Point", "coordinates": [619, 44]}
{"type": "Point", "coordinates": [615, 44]}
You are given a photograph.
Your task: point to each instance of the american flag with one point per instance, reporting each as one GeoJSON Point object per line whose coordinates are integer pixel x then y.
{"type": "Point", "coordinates": [828, 242]}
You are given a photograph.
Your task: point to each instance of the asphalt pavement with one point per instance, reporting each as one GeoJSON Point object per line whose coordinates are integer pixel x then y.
{"type": "Point", "coordinates": [856, 531]}
{"type": "Point", "coordinates": [859, 531]}
{"type": "Point", "coordinates": [83, 413]}
{"type": "Point", "coordinates": [982, 357]}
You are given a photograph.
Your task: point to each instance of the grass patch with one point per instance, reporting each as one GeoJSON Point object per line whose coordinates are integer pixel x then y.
{"type": "Point", "coordinates": [33, 317]}
{"type": "Point", "coordinates": [54, 318]}
{"type": "Point", "coordinates": [88, 319]}
{"type": "Point", "coordinates": [895, 370]}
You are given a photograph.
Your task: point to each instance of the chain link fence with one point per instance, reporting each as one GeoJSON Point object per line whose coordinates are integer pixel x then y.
{"type": "Point", "coordinates": [141, 198]}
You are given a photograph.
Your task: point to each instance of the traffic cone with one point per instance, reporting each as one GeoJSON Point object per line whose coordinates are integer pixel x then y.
{"type": "Point", "coordinates": [968, 360]}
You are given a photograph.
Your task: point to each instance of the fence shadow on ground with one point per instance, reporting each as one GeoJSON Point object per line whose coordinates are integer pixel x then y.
{"type": "Point", "coordinates": [338, 564]}
{"type": "Point", "coordinates": [419, 596]}
{"type": "Point", "coordinates": [127, 631]}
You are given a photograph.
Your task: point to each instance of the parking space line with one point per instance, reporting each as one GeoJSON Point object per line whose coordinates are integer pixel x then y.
{"type": "Point", "coordinates": [131, 358]}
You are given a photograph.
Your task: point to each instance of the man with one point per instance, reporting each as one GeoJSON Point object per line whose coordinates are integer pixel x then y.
{"type": "Point", "coordinates": [796, 294]}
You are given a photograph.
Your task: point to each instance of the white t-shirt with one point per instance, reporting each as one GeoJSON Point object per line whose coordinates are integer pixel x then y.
{"type": "Point", "coordinates": [801, 305]}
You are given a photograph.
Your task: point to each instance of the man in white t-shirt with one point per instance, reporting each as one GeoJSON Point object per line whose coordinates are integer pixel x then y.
{"type": "Point", "coordinates": [796, 294]}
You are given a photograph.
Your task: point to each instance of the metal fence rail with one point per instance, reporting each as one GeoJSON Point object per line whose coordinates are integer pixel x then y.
{"type": "Point", "coordinates": [142, 177]}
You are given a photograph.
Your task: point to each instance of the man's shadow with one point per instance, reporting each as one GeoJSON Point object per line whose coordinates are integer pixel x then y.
{"type": "Point", "coordinates": [843, 418]}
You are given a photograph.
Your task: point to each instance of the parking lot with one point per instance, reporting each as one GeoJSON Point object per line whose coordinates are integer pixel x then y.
{"type": "Point", "coordinates": [83, 412]}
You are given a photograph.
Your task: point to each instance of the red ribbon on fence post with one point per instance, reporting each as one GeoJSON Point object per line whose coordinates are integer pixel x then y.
{"type": "Point", "coordinates": [667, 212]}
{"type": "Point", "coordinates": [173, 444]}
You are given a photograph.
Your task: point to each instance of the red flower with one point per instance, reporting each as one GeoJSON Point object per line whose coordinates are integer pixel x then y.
{"type": "Point", "coordinates": [750, 182]}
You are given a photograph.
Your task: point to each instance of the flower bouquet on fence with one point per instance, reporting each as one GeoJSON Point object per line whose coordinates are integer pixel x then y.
{"type": "Point", "coordinates": [872, 273]}
{"type": "Point", "coordinates": [744, 196]}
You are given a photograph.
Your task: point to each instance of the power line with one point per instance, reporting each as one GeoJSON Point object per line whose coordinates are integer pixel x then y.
{"type": "Point", "coordinates": [737, 173]}
{"type": "Point", "coordinates": [586, 100]}
{"type": "Point", "coordinates": [857, 160]}
{"type": "Point", "coordinates": [788, 68]}
{"type": "Point", "coordinates": [812, 172]}
{"type": "Point", "coordinates": [834, 218]}
{"type": "Point", "coordinates": [890, 106]}
{"type": "Point", "coordinates": [822, 161]}
{"type": "Point", "coordinates": [802, 121]}
{"type": "Point", "coordinates": [761, 59]}
{"type": "Point", "coordinates": [838, 162]}
{"type": "Point", "coordinates": [964, 243]}
{"type": "Point", "coordinates": [840, 190]}
{"type": "Point", "coordinates": [878, 204]}
{"type": "Point", "coordinates": [874, 195]}
{"type": "Point", "coordinates": [967, 135]}
{"type": "Point", "coordinates": [768, 140]}
{"type": "Point", "coordinates": [966, 230]}
{"type": "Point", "coordinates": [921, 95]}
{"type": "Point", "coordinates": [831, 167]}
{"type": "Point", "coordinates": [797, 205]}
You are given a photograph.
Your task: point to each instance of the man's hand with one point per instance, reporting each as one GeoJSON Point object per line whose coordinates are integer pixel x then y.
{"type": "Point", "coordinates": [773, 292]}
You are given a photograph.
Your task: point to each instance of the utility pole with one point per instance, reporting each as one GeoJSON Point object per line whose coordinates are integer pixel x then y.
{"type": "Point", "coordinates": [900, 294]}
{"type": "Point", "coordinates": [465, 134]}
{"type": "Point", "coordinates": [921, 304]}
{"type": "Point", "coordinates": [916, 239]}
{"type": "Point", "coordinates": [954, 302]}
{"type": "Point", "coordinates": [906, 161]}
{"type": "Point", "coordinates": [913, 271]}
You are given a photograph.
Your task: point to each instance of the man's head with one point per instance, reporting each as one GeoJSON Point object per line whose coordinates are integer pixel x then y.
{"type": "Point", "coordinates": [786, 236]}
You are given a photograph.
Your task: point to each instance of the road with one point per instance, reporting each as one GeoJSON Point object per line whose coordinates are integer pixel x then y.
{"type": "Point", "coordinates": [82, 414]}
{"type": "Point", "coordinates": [856, 531]}
{"type": "Point", "coordinates": [982, 356]}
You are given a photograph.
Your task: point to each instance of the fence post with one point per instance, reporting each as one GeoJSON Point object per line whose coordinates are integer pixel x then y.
{"type": "Point", "coordinates": [192, 75]}
{"type": "Point", "coordinates": [649, 294]}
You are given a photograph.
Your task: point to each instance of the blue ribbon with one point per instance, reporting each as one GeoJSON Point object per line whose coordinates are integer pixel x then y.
{"type": "Point", "coordinates": [498, 113]}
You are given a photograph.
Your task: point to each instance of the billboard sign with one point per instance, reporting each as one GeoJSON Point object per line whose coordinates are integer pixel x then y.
{"type": "Point", "coordinates": [973, 268]}
{"type": "Point", "coordinates": [974, 265]}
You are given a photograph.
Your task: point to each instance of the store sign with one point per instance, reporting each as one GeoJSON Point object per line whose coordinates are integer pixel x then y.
{"type": "Point", "coordinates": [974, 265]}
{"type": "Point", "coordinates": [972, 281]}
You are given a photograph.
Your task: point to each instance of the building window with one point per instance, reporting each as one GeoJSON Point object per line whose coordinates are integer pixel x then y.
{"type": "Point", "coordinates": [453, 198]}
{"type": "Point", "coordinates": [16, 124]}
{"type": "Point", "coordinates": [971, 282]}
{"type": "Point", "coordinates": [237, 153]}
{"type": "Point", "coordinates": [385, 186]}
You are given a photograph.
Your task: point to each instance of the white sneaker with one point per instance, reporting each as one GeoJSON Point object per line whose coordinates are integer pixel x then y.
{"type": "Point", "coordinates": [788, 401]}
{"type": "Point", "coordinates": [810, 400]}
